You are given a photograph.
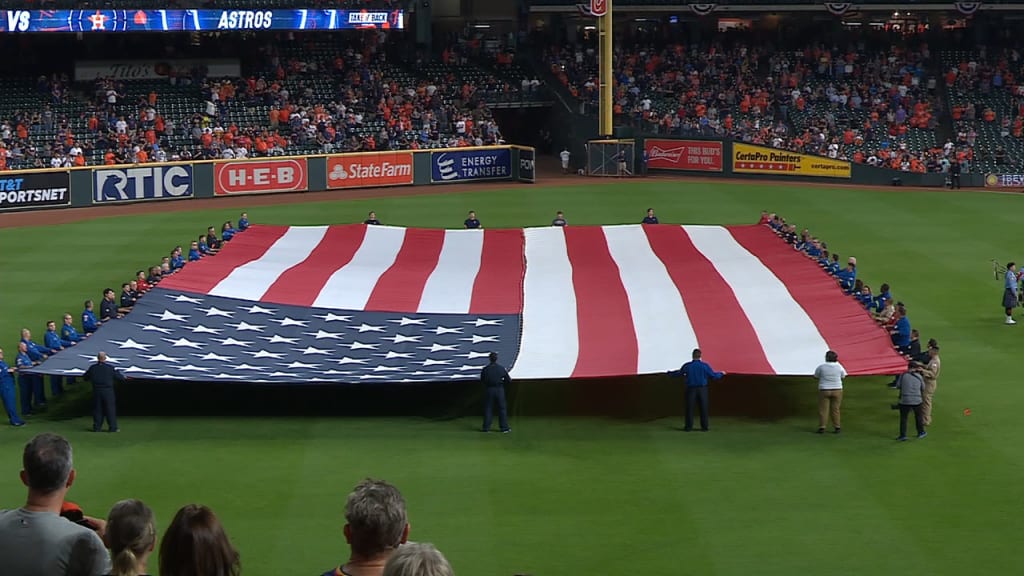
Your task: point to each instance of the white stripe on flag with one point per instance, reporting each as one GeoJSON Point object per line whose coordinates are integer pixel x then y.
{"type": "Point", "coordinates": [788, 336]}
{"type": "Point", "coordinates": [449, 288]}
{"type": "Point", "coordinates": [252, 280]}
{"type": "Point", "coordinates": [350, 286]}
{"type": "Point", "coordinates": [663, 330]}
{"type": "Point", "coordinates": [550, 344]}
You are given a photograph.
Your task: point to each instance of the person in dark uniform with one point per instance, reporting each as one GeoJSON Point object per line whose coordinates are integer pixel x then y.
{"type": "Point", "coordinates": [696, 373]}
{"type": "Point", "coordinates": [472, 223]}
{"type": "Point", "coordinates": [650, 218]}
{"type": "Point", "coordinates": [372, 219]}
{"type": "Point", "coordinates": [643, 162]}
{"type": "Point", "coordinates": [954, 175]}
{"type": "Point", "coordinates": [103, 376]}
{"type": "Point", "coordinates": [7, 392]}
{"type": "Point", "coordinates": [494, 378]}
{"type": "Point", "coordinates": [559, 219]}
{"type": "Point", "coordinates": [108, 307]}
{"type": "Point", "coordinates": [211, 238]}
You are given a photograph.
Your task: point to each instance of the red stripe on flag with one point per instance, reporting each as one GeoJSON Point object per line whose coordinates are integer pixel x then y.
{"type": "Point", "coordinates": [607, 338]}
{"type": "Point", "coordinates": [498, 288]}
{"type": "Point", "coordinates": [718, 320]}
{"type": "Point", "coordinates": [302, 283]}
{"type": "Point", "coordinates": [204, 275]}
{"type": "Point", "coordinates": [401, 287]}
{"type": "Point", "coordinates": [862, 345]}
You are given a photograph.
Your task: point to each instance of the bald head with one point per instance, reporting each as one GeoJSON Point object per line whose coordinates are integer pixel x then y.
{"type": "Point", "coordinates": [101, 357]}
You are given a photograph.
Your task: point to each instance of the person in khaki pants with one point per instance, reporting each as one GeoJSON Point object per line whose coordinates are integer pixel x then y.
{"type": "Point", "coordinates": [830, 391]}
{"type": "Point", "coordinates": [930, 373]}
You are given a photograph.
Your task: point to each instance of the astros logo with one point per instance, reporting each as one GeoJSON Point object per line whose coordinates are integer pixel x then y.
{"type": "Point", "coordinates": [99, 21]}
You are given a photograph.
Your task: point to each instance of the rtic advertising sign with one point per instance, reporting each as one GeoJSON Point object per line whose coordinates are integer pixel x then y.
{"type": "Point", "coordinates": [260, 176]}
{"type": "Point", "coordinates": [694, 155]}
{"type": "Point", "coordinates": [370, 169]}
{"type": "Point", "coordinates": [142, 183]}
{"type": "Point", "coordinates": [34, 190]}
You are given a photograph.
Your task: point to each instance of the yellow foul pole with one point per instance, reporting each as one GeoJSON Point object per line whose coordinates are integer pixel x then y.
{"type": "Point", "coordinates": [604, 27]}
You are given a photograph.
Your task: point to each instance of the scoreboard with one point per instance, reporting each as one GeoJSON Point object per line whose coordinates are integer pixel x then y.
{"type": "Point", "coordinates": [201, 20]}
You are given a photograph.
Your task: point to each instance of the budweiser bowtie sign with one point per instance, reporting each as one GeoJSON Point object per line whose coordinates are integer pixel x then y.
{"type": "Point", "coordinates": [598, 7]}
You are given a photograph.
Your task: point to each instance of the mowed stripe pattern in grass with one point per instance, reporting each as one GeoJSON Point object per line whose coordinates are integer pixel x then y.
{"type": "Point", "coordinates": [571, 495]}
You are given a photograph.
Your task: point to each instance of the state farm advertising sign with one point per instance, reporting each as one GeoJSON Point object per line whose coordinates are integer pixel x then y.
{"type": "Point", "coordinates": [696, 155]}
{"type": "Point", "coordinates": [370, 169]}
{"type": "Point", "coordinates": [260, 176]}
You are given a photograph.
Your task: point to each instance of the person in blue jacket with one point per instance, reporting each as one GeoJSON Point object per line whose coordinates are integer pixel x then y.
{"type": "Point", "coordinates": [68, 332]}
{"type": "Point", "coordinates": [847, 277]}
{"type": "Point", "coordinates": [27, 382]}
{"type": "Point", "coordinates": [901, 331]}
{"type": "Point", "coordinates": [7, 392]}
{"type": "Point", "coordinates": [194, 254]}
{"type": "Point", "coordinates": [37, 354]}
{"type": "Point", "coordinates": [89, 321]}
{"type": "Point", "coordinates": [243, 222]}
{"type": "Point", "coordinates": [883, 296]}
{"type": "Point", "coordinates": [227, 231]}
{"type": "Point", "coordinates": [696, 374]}
{"type": "Point", "coordinates": [177, 260]}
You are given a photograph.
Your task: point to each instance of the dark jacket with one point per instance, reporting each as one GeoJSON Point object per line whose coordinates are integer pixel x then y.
{"type": "Point", "coordinates": [494, 375]}
{"type": "Point", "coordinates": [103, 375]}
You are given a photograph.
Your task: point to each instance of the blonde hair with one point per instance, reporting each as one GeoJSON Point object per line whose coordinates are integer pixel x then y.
{"type": "Point", "coordinates": [131, 534]}
{"type": "Point", "coordinates": [417, 559]}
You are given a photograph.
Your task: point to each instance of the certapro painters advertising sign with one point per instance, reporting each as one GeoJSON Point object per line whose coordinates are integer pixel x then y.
{"type": "Point", "coordinates": [34, 190]}
{"type": "Point", "coordinates": [751, 159]}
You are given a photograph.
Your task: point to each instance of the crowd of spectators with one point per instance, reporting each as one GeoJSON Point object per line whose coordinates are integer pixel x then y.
{"type": "Point", "coordinates": [52, 535]}
{"type": "Point", "coordinates": [324, 98]}
{"type": "Point", "coordinates": [112, 306]}
{"type": "Point", "coordinates": [889, 313]}
{"type": "Point", "coordinates": [866, 102]}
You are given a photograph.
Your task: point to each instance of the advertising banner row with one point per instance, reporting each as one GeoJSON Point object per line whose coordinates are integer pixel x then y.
{"type": "Point", "coordinates": [1004, 181]}
{"type": "Point", "coordinates": [708, 156]}
{"type": "Point", "coordinates": [26, 190]}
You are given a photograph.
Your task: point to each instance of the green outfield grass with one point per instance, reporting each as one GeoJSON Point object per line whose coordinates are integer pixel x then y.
{"type": "Point", "coordinates": [594, 491]}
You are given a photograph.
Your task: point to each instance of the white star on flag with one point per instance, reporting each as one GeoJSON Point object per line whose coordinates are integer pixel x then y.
{"type": "Point", "coordinates": [360, 346]}
{"type": "Point", "coordinates": [483, 322]}
{"type": "Point", "coordinates": [435, 347]}
{"type": "Point", "coordinates": [161, 358]}
{"type": "Point", "coordinates": [441, 330]}
{"type": "Point", "coordinates": [259, 310]}
{"type": "Point", "coordinates": [399, 339]}
{"type": "Point", "coordinates": [321, 334]}
{"type": "Point", "coordinates": [233, 342]}
{"type": "Point", "coordinates": [152, 328]}
{"type": "Point", "coordinates": [180, 342]}
{"type": "Point", "coordinates": [369, 328]}
{"type": "Point", "coordinates": [331, 317]}
{"type": "Point", "coordinates": [130, 344]}
{"type": "Point", "coordinates": [200, 329]}
{"type": "Point", "coordinates": [430, 362]}
{"type": "Point", "coordinates": [387, 368]}
{"type": "Point", "coordinates": [277, 339]}
{"type": "Point", "coordinates": [168, 315]}
{"type": "Point", "coordinates": [183, 298]}
{"type": "Point", "coordinates": [266, 354]}
{"type": "Point", "coordinates": [290, 322]}
{"type": "Point", "coordinates": [391, 355]}
{"type": "Point", "coordinates": [192, 368]}
{"type": "Point", "coordinates": [214, 311]}
{"type": "Point", "coordinates": [473, 355]}
{"type": "Point", "coordinates": [246, 327]}
{"type": "Point", "coordinates": [347, 360]}
{"type": "Point", "coordinates": [298, 364]}
{"type": "Point", "coordinates": [136, 369]}
{"type": "Point", "coordinates": [478, 339]}
{"type": "Point", "coordinates": [403, 321]}
{"type": "Point", "coordinates": [214, 356]}
{"type": "Point", "coordinates": [311, 350]}
{"type": "Point", "coordinates": [244, 366]}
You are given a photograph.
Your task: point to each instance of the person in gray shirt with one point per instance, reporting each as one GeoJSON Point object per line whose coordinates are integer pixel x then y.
{"type": "Point", "coordinates": [34, 539]}
{"type": "Point", "coordinates": [911, 387]}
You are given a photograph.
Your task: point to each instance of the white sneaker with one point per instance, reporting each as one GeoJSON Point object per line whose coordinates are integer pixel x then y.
{"type": "Point", "coordinates": [1010, 320]}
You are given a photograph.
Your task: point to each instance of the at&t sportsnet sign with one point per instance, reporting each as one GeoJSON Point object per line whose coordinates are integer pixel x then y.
{"type": "Point", "coordinates": [34, 190]}
{"type": "Point", "coordinates": [260, 176]}
{"type": "Point", "coordinates": [142, 183]}
{"type": "Point", "coordinates": [695, 155]}
{"type": "Point", "coordinates": [468, 165]}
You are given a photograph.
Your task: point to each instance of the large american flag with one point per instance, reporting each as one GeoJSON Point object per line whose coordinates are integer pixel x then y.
{"type": "Point", "coordinates": [356, 303]}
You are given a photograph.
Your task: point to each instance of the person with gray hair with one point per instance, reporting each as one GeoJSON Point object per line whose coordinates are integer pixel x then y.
{"type": "Point", "coordinates": [418, 559]}
{"type": "Point", "coordinates": [35, 539]}
{"type": "Point", "coordinates": [375, 526]}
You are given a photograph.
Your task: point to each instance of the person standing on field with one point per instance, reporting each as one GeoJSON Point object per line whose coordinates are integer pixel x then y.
{"type": "Point", "coordinates": [564, 157]}
{"type": "Point", "coordinates": [495, 377]}
{"type": "Point", "coordinates": [911, 387]}
{"type": "Point", "coordinates": [1010, 292]}
{"type": "Point", "coordinates": [830, 391]}
{"type": "Point", "coordinates": [930, 373]}
{"type": "Point", "coordinates": [696, 374]}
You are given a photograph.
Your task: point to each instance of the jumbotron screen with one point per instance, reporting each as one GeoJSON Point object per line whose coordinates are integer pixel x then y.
{"type": "Point", "coordinates": [202, 20]}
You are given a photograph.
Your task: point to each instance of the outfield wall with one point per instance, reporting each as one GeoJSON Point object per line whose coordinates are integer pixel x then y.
{"type": "Point", "coordinates": [730, 159]}
{"type": "Point", "coordinates": [102, 185]}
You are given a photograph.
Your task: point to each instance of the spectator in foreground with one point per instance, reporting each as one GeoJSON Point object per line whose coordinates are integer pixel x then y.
{"type": "Point", "coordinates": [418, 559]}
{"type": "Point", "coordinates": [376, 525]}
{"type": "Point", "coordinates": [131, 537]}
{"type": "Point", "coordinates": [34, 539]}
{"type": "Point", "coordinates": [196, 544]}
